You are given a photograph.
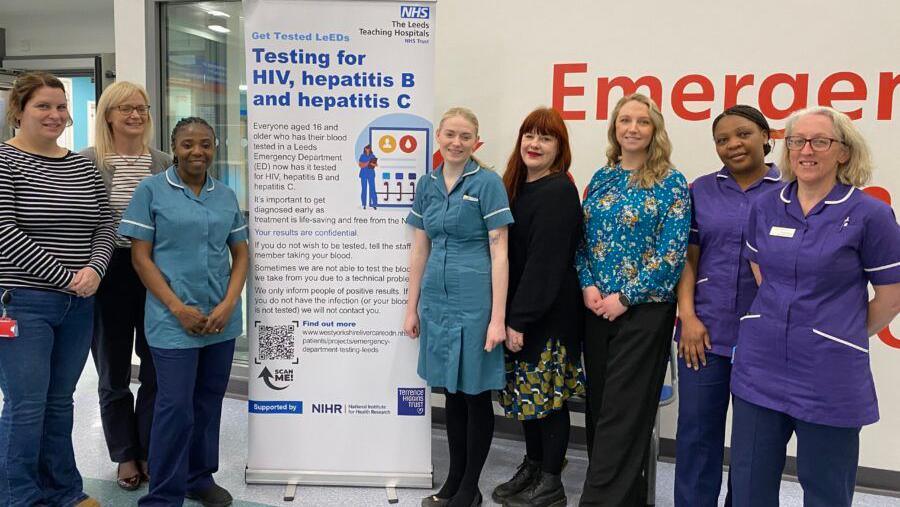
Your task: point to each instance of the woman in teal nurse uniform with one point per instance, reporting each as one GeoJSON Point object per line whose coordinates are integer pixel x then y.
{"type": "Point", "coordinates": [184, 225]}
{"type": "Point", "coordinates": [457, 297]}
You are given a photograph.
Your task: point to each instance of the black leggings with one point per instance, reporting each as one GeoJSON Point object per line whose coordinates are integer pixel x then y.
{"type": "Point", "coordinates": [470, 429]}
{"type": "Point", "coordinates": [547, 439]}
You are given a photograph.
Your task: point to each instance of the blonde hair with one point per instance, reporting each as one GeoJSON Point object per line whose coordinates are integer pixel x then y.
{"type": "Point", "coordinates": [657, 165]}
{"type": "Point", "coordinates": [114, 95]}
{"type": "Point", "coordinates": [857, 170]}
{"type": "Point", "coordinates": [466, 114]}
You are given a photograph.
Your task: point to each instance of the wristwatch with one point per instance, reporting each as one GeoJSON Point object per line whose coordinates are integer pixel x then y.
{"type": "Point", "coordinates": [623, 299]}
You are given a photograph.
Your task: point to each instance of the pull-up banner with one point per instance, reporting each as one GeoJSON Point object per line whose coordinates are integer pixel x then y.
{"type": "Point", "coordinates": [339, 96]}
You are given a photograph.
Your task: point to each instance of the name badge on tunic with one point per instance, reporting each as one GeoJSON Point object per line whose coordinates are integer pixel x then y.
{"type": "Point", "coordinates": [782, 232]}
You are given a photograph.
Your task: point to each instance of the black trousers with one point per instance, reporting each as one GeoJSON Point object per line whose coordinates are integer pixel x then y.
{"type": "Point", "coordinates": [625, 362]}
{"type": "Point", "coordinates": [119, 326]}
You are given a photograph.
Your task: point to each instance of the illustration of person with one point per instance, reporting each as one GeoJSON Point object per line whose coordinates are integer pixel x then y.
{"type": "Point", "coordinates": [367, 165]}
{"type": "Point", "coordinates": [370, 177]}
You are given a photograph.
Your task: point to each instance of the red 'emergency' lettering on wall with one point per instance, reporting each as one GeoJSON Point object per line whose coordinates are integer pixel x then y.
{"type": "Point", "coordinates": [879, 193]}
{"type": "Point", "coordinates": [561, 91]}
{"type": "Point", "coordinates": [604, 85]}
{"type": "Point", "coordinates": [827, 95]}
{"type": "Point", "coordinates": [888, 338]}
{"type": "Point", "coordinates": [838, 87]}
{"type": "Point", "coordinates": [733, 86]}
{"type": "Point", "coordinates": [680, 96]}
{"type": "Point", "coordinates": [799, 84]}
{"type": "Point", "coordinates": [887, 83]}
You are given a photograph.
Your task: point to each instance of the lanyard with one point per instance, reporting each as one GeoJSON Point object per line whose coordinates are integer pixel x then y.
{"type": "Point", "coordinates": [4, 299]}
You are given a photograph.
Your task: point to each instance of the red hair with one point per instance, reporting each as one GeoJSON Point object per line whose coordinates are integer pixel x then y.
{"type": "Point", "coordinates": [544, 121]}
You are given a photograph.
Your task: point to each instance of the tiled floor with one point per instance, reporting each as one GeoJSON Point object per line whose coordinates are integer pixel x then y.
{"type": "Point", "coordinates": [505, 455]}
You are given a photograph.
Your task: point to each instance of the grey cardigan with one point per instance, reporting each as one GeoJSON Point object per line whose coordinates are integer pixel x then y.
{"type": "Point", "coordinates": [159, 162]}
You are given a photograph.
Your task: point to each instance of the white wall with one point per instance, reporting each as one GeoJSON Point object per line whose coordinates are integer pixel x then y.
{"type": "Point", "coordinates": [131, 41]}
{"type": "Point", "coordinates": [498, 57]}
{"type": "Point", "coordinates": [63, 33]}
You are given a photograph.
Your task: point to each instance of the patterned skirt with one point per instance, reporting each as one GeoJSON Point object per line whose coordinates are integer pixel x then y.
{"type": "Point", "coordinates": [533, 390]}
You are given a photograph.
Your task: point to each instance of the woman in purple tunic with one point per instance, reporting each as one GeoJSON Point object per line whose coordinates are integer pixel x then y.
{"type": "Point", "coordinates": [801, 365]}
{"type": "Point", "coordinates": [716, 288]}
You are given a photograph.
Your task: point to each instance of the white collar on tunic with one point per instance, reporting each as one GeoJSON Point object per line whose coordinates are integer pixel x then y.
{"type": "Point", "coordinates": [837, 201]}
{"type": "Point", "coordinates": [211, 183]}
{"type": "Point", "coordinates": [725, 174]}
{"type": "Point", "coordinates": [470, 163]}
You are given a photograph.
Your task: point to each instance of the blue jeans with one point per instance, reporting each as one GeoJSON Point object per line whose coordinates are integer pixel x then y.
{"type": "Point", "coordinates": [700, 441]}
{"type": "Point", "coordinates": [184, 440]}
{"type": "Point", "coordinates": [38, 373]}
{"type": "Point", "coordinates": [826, 458]}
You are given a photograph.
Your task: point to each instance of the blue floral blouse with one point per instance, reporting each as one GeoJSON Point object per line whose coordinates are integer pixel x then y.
{"type": "Point", "coordinates": [635, 238]}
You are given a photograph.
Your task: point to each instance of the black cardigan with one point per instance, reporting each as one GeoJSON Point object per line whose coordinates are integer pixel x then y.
{"type": "Point", "coordinates": [544, 295]}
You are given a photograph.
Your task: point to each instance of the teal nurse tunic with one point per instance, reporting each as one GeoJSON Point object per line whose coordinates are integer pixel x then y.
{"type": "Point", "coordinates": [190, 235]}
{"type": "Point", "coordinates": [455, 300]}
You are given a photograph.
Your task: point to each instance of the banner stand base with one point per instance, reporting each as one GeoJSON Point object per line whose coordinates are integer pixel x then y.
{"type": "Point", "coordinates": [290, 490]}
{"type": "Point", "coordinates": [359, 479]}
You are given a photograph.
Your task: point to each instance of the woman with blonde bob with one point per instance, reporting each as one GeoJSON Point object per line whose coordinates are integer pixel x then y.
{"type": "Point", "coordinates": [458, 275]}
{"type": "Point", "coordinates": [814, 246]}
{"type": "Point", "coordinates": [122, 152]}
{"type": "Point", "coordinates": [637, 217]}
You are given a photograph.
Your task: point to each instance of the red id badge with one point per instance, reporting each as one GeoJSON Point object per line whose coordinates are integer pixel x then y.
{"type": "Point", "coordinates": [8, 328]}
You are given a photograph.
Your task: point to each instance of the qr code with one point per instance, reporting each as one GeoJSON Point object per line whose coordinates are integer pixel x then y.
{"type": "Point", "coordinates": [276, 342]}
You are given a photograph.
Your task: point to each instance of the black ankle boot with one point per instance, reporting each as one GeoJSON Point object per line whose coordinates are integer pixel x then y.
{"type": "Point", "coordinates": [547, 491]}
{"type": "Point", "coordinates": [525, 475]}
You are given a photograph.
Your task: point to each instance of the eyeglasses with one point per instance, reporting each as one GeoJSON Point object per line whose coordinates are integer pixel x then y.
{"type": "Point", "coordinates": [796, 143]}
{"type": "Point", "coordinates": [128, 109]}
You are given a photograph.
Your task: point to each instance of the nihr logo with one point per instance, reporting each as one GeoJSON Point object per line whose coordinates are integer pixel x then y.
{"type": "Point", "coordinates": [327, 408]}
{"type": "Point", "coordinates": [415, 11]}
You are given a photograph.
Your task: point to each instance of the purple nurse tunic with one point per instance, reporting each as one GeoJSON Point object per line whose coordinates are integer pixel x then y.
{"type": "Point", "coordinates": [725, 286]}
{"type": "Point", "coordinates": [803, 349]}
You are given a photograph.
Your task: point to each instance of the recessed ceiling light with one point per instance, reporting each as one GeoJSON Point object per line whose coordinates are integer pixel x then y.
{"type": "Point", "coordinates": [218, 28]}
{"type": "Point", "coordinates": [219, 14]}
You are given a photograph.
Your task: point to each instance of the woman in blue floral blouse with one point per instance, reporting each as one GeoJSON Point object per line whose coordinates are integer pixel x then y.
{"type": "Point", "coordinates": [637, 217]}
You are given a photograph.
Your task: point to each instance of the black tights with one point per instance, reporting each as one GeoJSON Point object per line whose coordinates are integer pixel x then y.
{"type": "Point", "coordinates": [470, 429]}
{"type": "Point", "coordinates": [547, 438]}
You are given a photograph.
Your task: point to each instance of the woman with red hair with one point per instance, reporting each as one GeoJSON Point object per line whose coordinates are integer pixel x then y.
{"type": "Point", "coordinates": [544, 310]}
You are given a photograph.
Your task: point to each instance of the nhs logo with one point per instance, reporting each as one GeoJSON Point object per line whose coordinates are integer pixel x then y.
{"type": "Point", "coordinates": [415, 12]}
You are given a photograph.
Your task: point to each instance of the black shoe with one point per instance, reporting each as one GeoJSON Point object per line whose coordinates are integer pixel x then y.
{"type": "Point", "coordinates": [547, 491]}
{"type": "Point", "coordinates": [131, 483]}
{"type": "Point", "coordinates": [213, 496]}
{"type": "Point", "coordinates": [525, 475]}
{"type": "Point", "coordinates": [435, 501]}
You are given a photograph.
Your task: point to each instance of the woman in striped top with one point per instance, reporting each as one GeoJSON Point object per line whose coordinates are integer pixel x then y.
{"type": "Point", "coordinates": [123, 155]}
{"type": "Point", "coordinates": [56, 237]}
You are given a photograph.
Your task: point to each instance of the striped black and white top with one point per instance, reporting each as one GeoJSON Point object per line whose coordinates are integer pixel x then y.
{"type": "Point", "coordinates": [129, 171]}
{"type": "Point", "coordinates": [54, 219]}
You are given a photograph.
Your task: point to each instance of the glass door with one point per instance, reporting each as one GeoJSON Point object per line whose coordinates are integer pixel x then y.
{"type": "Point", "coordinates": [202, 64]}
